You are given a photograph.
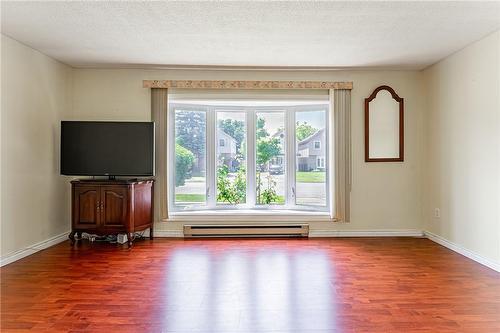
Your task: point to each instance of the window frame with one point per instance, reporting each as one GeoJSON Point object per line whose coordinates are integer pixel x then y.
{"type": "Point", "coordinates": [289, 158]}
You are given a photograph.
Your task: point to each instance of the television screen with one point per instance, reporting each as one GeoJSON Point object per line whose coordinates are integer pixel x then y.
{"type": "Point", "coordinates": [100, 148]}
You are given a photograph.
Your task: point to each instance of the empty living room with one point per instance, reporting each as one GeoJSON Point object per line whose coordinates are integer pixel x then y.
{"type": "Point", "coordinates": [250, 166]}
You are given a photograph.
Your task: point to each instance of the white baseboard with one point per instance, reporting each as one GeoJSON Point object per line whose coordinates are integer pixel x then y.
{"type": "Point", "coordinates": [29, 250]}
{"type": "Point", "coordinates": [461, 250]}
{"type": "Point", "coordinates": [366, 233]}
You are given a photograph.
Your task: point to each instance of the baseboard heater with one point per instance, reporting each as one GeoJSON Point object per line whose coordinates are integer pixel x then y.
{"type": "Point", "coordinates": [246, 230]}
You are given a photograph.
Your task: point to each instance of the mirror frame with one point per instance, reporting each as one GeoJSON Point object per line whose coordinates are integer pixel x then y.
{"type": "Point", "coordinates": [398, 99]}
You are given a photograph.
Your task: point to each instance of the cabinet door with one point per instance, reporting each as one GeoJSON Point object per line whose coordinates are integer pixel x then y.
{"type": "Point", "coordinates": [143, 201]}
{"type": "Point", "coordinates": [114, 207]}
{"type": "Point", "coordinates": [86, 213]}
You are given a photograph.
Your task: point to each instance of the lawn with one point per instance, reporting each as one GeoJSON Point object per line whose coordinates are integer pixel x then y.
{"type": "Point", "coordinates": [184, 197]}
{"type": "Point", "coordinates": [311, 177]}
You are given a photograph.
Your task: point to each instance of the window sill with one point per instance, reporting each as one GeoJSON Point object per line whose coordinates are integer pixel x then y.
{"type": "Point", "coordinates": [250, 216]}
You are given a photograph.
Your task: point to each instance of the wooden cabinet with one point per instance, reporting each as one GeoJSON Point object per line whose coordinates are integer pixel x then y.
{"type": "Point", "coordinates": [112, 207]}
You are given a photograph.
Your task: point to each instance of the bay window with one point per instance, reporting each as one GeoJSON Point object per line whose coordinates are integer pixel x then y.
{"type": "Point", "coordinates": [264, 154]}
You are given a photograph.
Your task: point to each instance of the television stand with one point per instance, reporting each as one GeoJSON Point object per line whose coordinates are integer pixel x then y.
{"type": "Point", "coordinates": [113, 206]}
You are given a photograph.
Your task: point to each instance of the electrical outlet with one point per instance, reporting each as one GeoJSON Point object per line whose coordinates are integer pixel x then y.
{"type": "Point", "coordinates": [437, 213]}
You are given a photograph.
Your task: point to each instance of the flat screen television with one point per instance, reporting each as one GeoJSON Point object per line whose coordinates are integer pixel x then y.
{"type": "Point", "coordinates": [105, 148]}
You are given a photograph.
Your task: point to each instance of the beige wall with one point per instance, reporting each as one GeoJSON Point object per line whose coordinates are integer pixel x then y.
{"type": "Point", "coordinates": [385, 196]}
{"type": "Point", "coordinates": [35, 97]}
{"type": "Point", "coordinates": [463, 148]}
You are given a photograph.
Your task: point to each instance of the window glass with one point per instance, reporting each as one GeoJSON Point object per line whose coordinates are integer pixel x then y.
{"type": "Point", "coordinates": [231, 158]}
{"type": "Point", "coordinates": [310, 175]}
{"type": "Point", "coordinates": [190, 157]}
{"type": "Point", "coordinates": [269, 158]}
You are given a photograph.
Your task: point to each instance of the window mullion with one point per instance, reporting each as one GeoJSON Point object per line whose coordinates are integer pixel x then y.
{"type": "Point", "coordinates": [250, 139]}
{"type": "Point", "coordinates": [290, 157]}
{"type": "Point", "coordinates": [211, 158]}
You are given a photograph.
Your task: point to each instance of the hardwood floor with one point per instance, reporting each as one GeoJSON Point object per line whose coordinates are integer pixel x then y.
{"type": "Point", "coordinates": [251, 285]}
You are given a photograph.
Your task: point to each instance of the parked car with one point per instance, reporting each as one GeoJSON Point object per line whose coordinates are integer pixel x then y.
{"type": "Point", "coordinates": [276, 169]}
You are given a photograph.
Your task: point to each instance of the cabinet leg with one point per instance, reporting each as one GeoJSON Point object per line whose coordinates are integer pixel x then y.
{"type": "Point", "coordinates": [71, 236]}
{"type": "Point", "coordinates": [130, 236]}
{"type": "Point", "coordinates": [151, 232]}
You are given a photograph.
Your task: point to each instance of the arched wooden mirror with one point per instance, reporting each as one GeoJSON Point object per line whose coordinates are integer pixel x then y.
{"type": "Point", "coordinates": [384, 126]}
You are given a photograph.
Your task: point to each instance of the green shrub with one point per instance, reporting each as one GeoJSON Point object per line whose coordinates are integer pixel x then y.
{"type": "Point", "coordinates": [231, 192]}
{"type": "Point", "coordinates": [184, 159]}
{"type": "Point", "coordinates": [267, 195]}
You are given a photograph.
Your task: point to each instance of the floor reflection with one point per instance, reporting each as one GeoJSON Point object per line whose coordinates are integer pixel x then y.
{"type": "Point", "coordinates": [226, 287]}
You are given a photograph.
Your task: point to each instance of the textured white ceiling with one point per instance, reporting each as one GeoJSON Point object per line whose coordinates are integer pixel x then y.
{"type": "Point", "coordinates": [325, 34]}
